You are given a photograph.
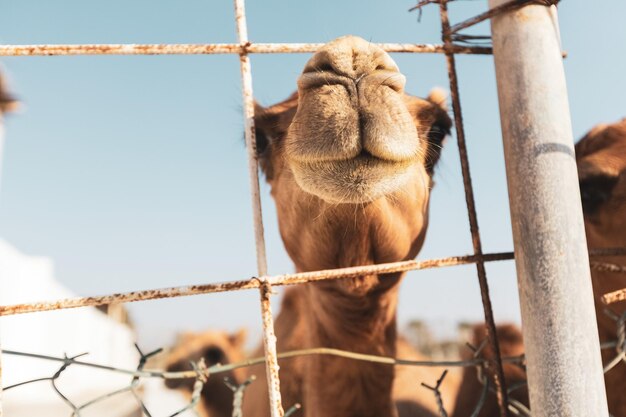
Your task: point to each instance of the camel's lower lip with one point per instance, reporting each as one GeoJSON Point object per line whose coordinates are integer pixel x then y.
{"type": "Point", "coordinates": [358, 180]}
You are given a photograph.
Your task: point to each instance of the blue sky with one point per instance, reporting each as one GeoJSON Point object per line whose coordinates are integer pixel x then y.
{"type": "Point", "coordinates": [130, 172]}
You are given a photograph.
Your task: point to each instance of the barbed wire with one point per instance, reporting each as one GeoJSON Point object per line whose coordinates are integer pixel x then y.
{"type": "Point", "coordinates": [437, 393]}
{"type": "Point", "coordinates": [201, 373]}
{"type": "Point", "coordinates": [516, 407]}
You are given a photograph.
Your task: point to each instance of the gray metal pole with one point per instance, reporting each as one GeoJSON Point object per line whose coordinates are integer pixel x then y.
{"type": "Point", "coordinates": [559, 323]}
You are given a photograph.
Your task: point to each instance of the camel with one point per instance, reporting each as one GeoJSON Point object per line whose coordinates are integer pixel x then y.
{"type": "Point", "coordinates": [349, 158]}
{"type": "Point", "coordinates": [221, 347]}
{"type": "Point", "coordinates": [472, 386]}
{"type": "Point", "coordinates": [215, 347]}
{"type": "Point", "coordinates": [601, 160]}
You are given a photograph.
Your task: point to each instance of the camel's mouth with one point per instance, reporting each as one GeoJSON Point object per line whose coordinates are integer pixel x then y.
{"type": "Point", "coordinates": [362, 179]}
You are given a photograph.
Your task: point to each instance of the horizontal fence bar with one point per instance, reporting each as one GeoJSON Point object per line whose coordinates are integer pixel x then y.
{"type": "Point", "coordinates": [278, 280]}
{"type": "Point", "coordinates": [614, 297]}
{"type": "Point", "coordinates": [218, 48]}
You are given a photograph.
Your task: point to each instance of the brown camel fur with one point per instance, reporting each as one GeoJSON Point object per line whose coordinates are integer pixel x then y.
{"type": "Point", "coordinates": [349, 159]}
{"type": "Point", "coordinates": [220, 347]}
{"type": "Point", "coordinates": [601, 159]}
{"type": "Point", "coordinates": [215, 347]}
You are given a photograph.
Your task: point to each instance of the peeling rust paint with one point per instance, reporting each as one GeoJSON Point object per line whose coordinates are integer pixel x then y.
{"type": "Point", "coordinates": [276, 280]}
{"type": "Point", "coordinates": [614, 297]}
{"type": "Point", "coordinates": [218, 48]}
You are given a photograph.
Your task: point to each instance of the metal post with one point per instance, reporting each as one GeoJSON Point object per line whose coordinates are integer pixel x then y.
{"type": "Point", "coordinates": [269, 337]}
{"type": "Point", "coordinates": [495, 362]}
{"type": "Point", "coordinates": [559, 323]}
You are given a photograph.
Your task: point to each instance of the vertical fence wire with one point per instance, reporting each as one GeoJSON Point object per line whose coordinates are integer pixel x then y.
{"type": "Point", "coordinates": [496, 362]}
{"type": "Point", "coordinates": [269, 338]}
{"type": "Point", "coordinates": [1, 385]}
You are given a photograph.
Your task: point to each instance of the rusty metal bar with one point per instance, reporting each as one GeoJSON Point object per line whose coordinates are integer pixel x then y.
{"type": "Point", "coordinates": [614, 297]}
{"type": "Point", "coordinates": [608, 267]}
{"type": "Point", "coordinates": [564, 366]}
{"type": "Point", "coordinates": [503, 8]}
{"type": "Point", "coordinates": [269, 338]}
{"type": "Point", "coordinates": [496, 362]}
{"type": "Point", "coordinates": [276, 280]}
{"type": "Point", "coordinates": [250, 137]}
{"type": "Point", "coordinates": [271, 357]}
{"type": "Point", "coordinates": [218, 48]}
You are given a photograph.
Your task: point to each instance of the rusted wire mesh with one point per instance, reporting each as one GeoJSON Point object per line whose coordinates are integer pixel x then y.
{"type": "Point", "coordinates": [454, 42]}
{"type": "Point", "coordinates": [201, 373]}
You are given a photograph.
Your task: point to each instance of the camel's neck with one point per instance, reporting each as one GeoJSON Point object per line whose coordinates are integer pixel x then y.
{"type": "Point", "coordinates": [346, 320]}
{"type": "Point", "coordinates": [362, 308]}
{"type": "Point", "coordinates": [356, 315]}
{"type": "Point", "coordinates": [353, 314]}
{"type": "Point", "coordinates": [363, 323]}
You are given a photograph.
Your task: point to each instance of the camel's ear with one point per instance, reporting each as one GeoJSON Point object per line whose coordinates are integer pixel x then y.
{"type": "Point", "coordinates": [262, 123]}
{"type": "Point", "coordinates": [439, 96]}
{"type": "Point", "coordinates": [239, 338]}
{"type": "Point", "coordinates": [440, 125]}
{"type": "Point", "coordinates": [8, 103]}
{"type": "Point", "coordinates": [271, 125]}
{"type": "Point", "coordinates": [184, 337]}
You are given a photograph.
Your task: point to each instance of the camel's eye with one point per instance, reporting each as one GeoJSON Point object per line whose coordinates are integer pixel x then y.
{"type": "Point", "coordinates": [595, 190]}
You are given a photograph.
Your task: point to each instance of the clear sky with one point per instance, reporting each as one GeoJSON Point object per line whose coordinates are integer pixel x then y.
{"type": "Point", "coordinates": [130, 172]}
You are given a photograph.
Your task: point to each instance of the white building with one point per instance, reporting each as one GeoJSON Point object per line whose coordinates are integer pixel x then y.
{"type": "Point", "coordinates": [25, 279]}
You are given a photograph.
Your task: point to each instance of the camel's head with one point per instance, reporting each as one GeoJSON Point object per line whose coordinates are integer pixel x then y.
{"type": "Point", "coordinates": [216, 347]}
{"type": "Point", "coordinates": [601, 158]}
{"type": "Point", "coordinates": [351, 134]}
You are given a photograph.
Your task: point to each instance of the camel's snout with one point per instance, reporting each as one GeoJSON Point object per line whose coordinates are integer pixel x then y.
{"type": "Point", "coordinates": [352, 138]}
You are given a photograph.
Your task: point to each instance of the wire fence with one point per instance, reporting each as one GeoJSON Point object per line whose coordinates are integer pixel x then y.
{"type": "Point", "coordinates": [200, 373]}
{"type": "Point", "coordinates": [453, 42]}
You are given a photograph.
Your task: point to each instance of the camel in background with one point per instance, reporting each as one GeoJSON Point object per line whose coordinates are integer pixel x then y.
{"type": "Point", "coordinates": [601, 160]}
{"type": "Point", "coordinates": [349, 159]}
{"type": "Point", "coordinates": [472, 385]}
{"type": "Point", "coordinates": [215, 347]}
{"type": "Point", "coordinates": [219, 347]}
